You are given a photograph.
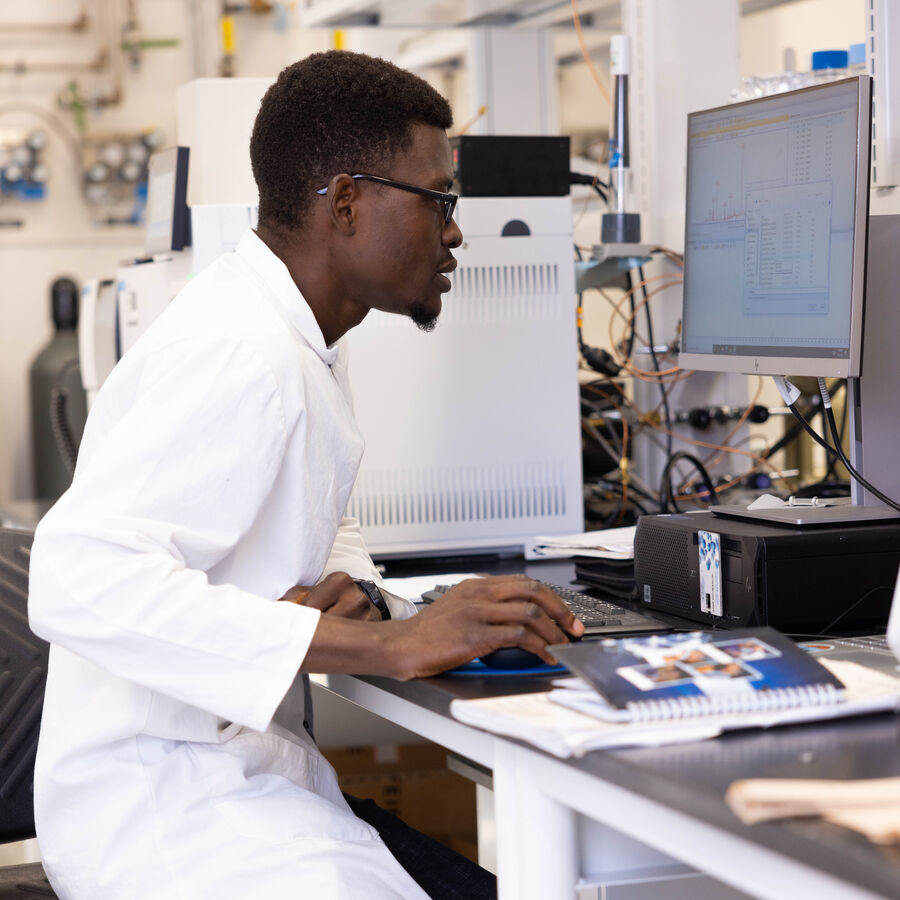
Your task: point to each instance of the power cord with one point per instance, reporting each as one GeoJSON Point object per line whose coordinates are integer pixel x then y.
{"type": "Point", "coordinates": [667, 413]}
{"type": "Point", "coordinates": [601, 187]}
{"type": "Point", "coordinates": [667, 495]}
{"type": "Point", "coordinates": [852, 606]}
{"type": "Point", "coordinates": [790, 395]}
{"type": "Point", "coordinates": [597, 358]}
{"type": "Point", "coordinates": [839, 450]}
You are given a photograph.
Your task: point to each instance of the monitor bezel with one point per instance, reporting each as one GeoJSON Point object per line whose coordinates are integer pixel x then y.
{"type": "Point", "coordinates": [172, 161]}
{"type": "Point", "coordinates": [851, 366]}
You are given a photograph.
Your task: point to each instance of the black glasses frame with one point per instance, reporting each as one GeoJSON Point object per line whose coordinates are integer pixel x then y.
{"type": "Point", "coordinates": [447, 200]}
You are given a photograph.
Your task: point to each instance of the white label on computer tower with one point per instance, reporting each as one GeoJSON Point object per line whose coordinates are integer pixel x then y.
{"type": "Point", "coordinates": [710, 546]}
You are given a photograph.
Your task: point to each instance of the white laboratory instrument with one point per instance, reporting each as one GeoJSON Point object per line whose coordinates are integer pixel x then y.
{"type": "Point", "coordinates": [473, 432]}
{"type": "Point", "coordinates": [97, 341]}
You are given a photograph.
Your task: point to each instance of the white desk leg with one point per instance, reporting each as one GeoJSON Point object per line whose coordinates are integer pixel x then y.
{"type": "Point", "coordinates": [536, 835]}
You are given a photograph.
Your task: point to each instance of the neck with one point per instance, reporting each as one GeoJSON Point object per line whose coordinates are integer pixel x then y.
{"type": "Point", "coordinates": [318, 278]}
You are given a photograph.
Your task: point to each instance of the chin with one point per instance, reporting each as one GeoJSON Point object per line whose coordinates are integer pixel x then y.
{"type": "Point", "coordinates": [423, 316]}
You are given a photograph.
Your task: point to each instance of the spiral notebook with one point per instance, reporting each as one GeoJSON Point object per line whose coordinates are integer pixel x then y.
{"type": "Point", "coordinates": [700, 673]}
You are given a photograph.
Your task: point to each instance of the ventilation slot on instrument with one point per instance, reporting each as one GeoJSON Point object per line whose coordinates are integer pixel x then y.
{"type": "Point", "coordinates": [523, 491]}
{"type": "Point", "coordinates": [504, 293]}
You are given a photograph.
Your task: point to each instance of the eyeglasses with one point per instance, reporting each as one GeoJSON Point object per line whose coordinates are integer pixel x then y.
{"type": "Point", "coordinates": [447, 201]}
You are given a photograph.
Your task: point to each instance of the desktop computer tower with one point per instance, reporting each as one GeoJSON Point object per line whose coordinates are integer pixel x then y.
{"type": "Point", "coordinates": [807, 580]}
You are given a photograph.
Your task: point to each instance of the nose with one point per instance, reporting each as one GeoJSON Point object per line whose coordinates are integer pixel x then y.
{"type": "Point", "coordinates": [452, 236]}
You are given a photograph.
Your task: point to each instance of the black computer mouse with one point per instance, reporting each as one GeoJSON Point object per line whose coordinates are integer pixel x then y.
{"type": "Point", "coordinates": [512, 658]}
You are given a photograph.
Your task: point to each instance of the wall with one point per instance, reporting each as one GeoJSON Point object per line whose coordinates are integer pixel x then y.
{"type": "Point", "coordinates": [804, 26]}
{"type": "Point", "coordinates": [61, 235]}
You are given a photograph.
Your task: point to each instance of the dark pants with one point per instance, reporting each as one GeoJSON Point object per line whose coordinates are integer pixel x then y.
{"type": "Point", "coordinates": [441, 872]}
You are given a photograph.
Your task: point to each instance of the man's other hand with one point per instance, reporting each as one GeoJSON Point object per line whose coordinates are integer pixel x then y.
{"type": "Point", "coordinates": [335, 595]}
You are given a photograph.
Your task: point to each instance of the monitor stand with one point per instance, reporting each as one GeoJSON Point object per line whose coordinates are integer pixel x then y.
{"type": "Point", "coordinates": [838, 512]}
{"type": "Point", "coordinates": [875, 397]}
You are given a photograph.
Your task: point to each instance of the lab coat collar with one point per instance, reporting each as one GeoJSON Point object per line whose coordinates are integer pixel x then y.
{"type": "Point", "coordinates": [254, 251]}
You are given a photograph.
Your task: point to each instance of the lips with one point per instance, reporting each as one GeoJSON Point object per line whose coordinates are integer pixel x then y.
{"type": "Point", "coordinates": [442, 274]}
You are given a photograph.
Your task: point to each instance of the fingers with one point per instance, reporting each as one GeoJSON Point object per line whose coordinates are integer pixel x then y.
{"type": "Point", "coordinates": [521, 636]}
{"type": "Point", "coordinates": [336, 594]}
{"type": "Point", "coordinates": [526, 624]}
{"type": "Point", "coordinates": [297, 594]}
{"type": "Point", "coordinates": [520, 588]}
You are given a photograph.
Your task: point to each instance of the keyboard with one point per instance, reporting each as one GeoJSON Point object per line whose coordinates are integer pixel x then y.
{"type": "Point", "coordinates": [866, 642]}
{"type": "Point", "coordinates": [600, 617]}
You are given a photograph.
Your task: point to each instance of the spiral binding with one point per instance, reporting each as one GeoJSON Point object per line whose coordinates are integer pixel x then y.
{"type": "Point", "coordinates": [725, 704]}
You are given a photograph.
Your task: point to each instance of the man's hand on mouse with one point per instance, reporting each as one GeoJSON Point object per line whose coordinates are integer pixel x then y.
{"type": "Point", "coordinates": [335, 595]}
{"type": "Point", "coordinates": [480, 615]}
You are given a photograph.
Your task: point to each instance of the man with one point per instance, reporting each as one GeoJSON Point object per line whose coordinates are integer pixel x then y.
{"type": "Point", "coordinates": [212, 481]}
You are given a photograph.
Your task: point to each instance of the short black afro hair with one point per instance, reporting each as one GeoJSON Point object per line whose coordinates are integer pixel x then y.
{"type": "Point", "coordinates": [330, 113]}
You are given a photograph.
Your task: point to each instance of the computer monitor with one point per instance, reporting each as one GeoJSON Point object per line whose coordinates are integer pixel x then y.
{"type": "Point", "coordinates": [775, 233]}
{"type": "Point", "coordinates": [168, 217]}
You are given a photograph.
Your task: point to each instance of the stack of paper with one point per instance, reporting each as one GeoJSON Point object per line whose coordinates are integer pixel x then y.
{"type": "Point", "coordinates": [611, 543]}
{"type": "Point", "coordinates": [569, 721]}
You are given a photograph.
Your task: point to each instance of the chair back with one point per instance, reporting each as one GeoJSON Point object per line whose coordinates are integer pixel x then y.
{"type": "Point", "coordinates": [23, 674]}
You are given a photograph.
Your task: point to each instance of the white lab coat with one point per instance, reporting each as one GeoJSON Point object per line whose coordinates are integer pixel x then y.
{"type": "Point", "coordinates": [213, 475]}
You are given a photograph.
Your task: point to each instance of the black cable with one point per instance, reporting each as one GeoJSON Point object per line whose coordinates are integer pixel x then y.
{"type": "Point", "coordinates": [597, 358]}
{"type": "Point", "coordinates": [790, 435]}
{"type": "Point", "coordinates": [618, 489]}
{"type": "Point", "coordinates": [852, 606]}
{"type": "Point", "coordinates": [665, 397]}
{"type": "Point", "coordinates": [666, 495]}
{"type": "Point", "coordinates": [601, 187]}
{"type": "Point", "coordinates": [646, 495]}
{"type": "Point", "coordinates": [840, 452]}
{"type": "Point", "coordinates": [612, 447]}
{"type": "Point", "coordinates": [829, 413]}
{"type": "Point", "coordinates": [626, 352]}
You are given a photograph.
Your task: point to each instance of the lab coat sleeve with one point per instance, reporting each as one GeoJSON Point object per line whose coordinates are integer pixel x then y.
{"type": "Point", "coordinates": [349, 554]}
{"type": "Point", "coordinates": [165, 490]}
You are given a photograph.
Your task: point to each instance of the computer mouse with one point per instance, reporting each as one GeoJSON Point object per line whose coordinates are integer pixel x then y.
{"type": "Point", "coordinates": [512, 658]}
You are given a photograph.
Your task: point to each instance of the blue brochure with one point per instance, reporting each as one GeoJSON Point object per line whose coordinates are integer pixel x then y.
{"type": "Point", "coordinates": [701, 673]}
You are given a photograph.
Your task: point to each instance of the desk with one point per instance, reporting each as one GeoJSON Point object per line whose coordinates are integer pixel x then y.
{"type": "Point", "coordinates": [668, 798]}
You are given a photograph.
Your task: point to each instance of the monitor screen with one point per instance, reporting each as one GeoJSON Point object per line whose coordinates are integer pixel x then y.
{"type": "Point", "coordinates": [775, 233]}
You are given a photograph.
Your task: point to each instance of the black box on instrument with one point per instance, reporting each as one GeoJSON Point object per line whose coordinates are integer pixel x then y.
{"type": "Point", "coordinates": [799, 580]}
{"type": "Point", "coordinates": [510, 166]}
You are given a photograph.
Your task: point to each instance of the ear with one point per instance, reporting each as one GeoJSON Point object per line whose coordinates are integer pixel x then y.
{"type": "Point", "coordinates": [343, 198]}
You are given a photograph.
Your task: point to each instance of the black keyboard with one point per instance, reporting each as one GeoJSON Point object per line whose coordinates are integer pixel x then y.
{"type": "Point", "coordinates": [600, 617]}
{"type": "Point", "coordinates": [604, 617]}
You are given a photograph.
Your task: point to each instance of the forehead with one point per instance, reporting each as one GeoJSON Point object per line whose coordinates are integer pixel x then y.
{"type": "Point", "coordinates": [427, 161]}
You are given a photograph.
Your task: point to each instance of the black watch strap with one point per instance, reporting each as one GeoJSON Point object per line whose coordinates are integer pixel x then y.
{"type": "Point", "coordinates": [376, 598]}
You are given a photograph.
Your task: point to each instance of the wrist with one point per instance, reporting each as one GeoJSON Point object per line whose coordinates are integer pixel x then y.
{"type": "Point", "coordinates": [376, 598]}
{"type": "Point", "coordinates": [357, 648]}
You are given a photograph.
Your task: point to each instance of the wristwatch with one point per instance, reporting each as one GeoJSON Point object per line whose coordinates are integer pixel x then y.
{"type": "Point", "coordinates": [376, 598]}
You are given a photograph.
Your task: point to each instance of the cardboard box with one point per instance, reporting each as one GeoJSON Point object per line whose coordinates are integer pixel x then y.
{"type": "Point", "coordinates": [412, 781]}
